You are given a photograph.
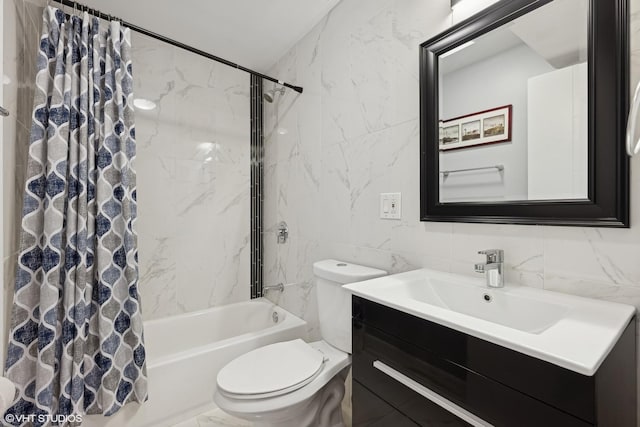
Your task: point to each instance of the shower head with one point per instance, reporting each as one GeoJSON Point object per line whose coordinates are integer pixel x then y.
{"type": "Point", "coordinates": [270, 95]}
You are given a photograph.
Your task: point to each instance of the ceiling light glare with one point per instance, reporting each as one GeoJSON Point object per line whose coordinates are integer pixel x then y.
{"type": "Point", "coordinates": [206, 146]}
{"type": "Point", "coordinates": [144, 104]}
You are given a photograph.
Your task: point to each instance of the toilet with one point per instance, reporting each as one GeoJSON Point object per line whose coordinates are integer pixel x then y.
{"type": "Point", "coordinates": [293, 383]}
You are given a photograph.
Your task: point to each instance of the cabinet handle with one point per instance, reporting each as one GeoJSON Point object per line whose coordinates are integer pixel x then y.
{"type": "Point", "coordinates": [633, 147]}
{"type": "Point", "coordinates": [431, 395]}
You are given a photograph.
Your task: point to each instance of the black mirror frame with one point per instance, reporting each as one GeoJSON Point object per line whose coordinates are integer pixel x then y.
{"type": "Point", "coordinates": [607, 204]}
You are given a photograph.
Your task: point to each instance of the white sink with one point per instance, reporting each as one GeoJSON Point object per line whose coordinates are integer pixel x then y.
{"type": "Point", "coordinates": [524, 313]}
{"type": "Point", "coordinates": [573, 332]}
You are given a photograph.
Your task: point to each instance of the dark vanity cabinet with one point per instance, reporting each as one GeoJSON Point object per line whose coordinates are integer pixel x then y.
{"type": "Point", "coordinates": [408, 371]}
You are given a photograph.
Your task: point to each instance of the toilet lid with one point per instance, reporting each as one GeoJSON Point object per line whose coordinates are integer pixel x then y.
{"type": "Point", "coordinates": [271, 370]}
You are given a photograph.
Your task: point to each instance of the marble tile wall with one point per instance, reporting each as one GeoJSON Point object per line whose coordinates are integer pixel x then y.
{"type": "Point", "coordinates": [21, 30]}
{"type": "Point", "coordinates": [193, 180]}
{"type": "Point", "coordinates": [192, 163]}
{"type": "Point", "coordinates": [354, 133]}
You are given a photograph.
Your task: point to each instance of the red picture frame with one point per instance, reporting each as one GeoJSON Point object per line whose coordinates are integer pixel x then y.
{"type": "Point", "coordinates": [491, 126]}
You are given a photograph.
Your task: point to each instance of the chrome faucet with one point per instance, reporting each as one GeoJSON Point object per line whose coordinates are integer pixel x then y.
{"type": "Point", "coordinates": [493, 268]}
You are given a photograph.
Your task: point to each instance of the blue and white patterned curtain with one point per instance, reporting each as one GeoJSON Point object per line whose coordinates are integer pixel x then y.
{"type": "Point", "coordinates": [76, 343]}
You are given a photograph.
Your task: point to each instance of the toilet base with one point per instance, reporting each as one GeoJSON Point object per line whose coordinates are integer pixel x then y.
{"type": "Point", "coordinates": [317, 404]}
{"type": "Point", "coordinates": [323, 409]}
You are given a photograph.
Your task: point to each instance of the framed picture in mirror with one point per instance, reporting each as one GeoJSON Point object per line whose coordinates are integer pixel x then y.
{"type": "Point", "coordinates": [481, 128]}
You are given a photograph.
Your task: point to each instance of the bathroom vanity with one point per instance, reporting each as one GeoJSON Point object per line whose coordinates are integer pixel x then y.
{"type": "Point", "coordinates": [414, 365]}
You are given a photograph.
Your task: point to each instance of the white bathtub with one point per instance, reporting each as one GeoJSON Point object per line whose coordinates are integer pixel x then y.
{"type": "Point", "coordinates": [186, 352]}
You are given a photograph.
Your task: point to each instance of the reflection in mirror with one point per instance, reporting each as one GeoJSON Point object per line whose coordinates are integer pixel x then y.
{"type": "Point", "coordinates": [514, 110]}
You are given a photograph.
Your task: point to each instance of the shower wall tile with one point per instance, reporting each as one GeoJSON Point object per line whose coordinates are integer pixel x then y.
{"type": "Point", "coordinates": [9, 264]}
{"type": "Point", "coordinates": [359, 136]}
{"type": "Point", "coordinates": [213, 238]}
{"type": "Point", "coordinates": [157, 258]}
{"type": "Point", "coordinates": [21, 31]}
{"type": "Point", "coordinates": [635, 69]}
{"type": "Point", "coordinates": [20, 41]}
{"type": "Point", "coordinates": [193, 179]}
{"type": "Point", "coordinates": [310, 59]}
{"type": "Point", "coordinates": [300, 299]}
{"type": "Point", "coordinates": [270, 219]}
{"type": "Point", "coordinates": [634, 25]}
{"type": "Point", "coordinates": [27, 64]}
{"type": "Point", "coordinates": [270, 180]}
{"type": "Point", "coordinates": [291, 263]}
{"type": "Point", "coordinates": [293, 167]}
{"type": "Point", "coordinates": [13, 28]}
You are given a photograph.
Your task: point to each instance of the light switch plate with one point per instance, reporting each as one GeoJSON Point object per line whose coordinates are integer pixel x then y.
{"type": "Point", "coordinates": [390, 205]}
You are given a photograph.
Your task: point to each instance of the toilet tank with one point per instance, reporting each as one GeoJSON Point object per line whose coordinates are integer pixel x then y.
{"type": "Point", "coordinates": [334, 303]}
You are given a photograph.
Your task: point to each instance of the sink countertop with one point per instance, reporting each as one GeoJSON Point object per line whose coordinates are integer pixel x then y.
{"type": "Point", "coordinates": [578, 337]}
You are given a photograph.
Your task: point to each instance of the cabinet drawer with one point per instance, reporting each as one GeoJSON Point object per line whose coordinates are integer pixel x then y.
{"type": "Point", "coordinates": [485, 398]}
{"type": "Point", "coordinates": [538, 379]}
{"type": "Point", "coordinates": [371, 411]}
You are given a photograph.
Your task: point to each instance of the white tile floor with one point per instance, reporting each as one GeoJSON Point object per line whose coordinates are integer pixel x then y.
{"type": "Point", "coordinates": [215, 418]}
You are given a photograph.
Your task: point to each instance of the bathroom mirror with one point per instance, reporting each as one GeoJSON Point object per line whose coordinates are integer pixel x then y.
{"type": "Point", "coordinates": [523, 111]}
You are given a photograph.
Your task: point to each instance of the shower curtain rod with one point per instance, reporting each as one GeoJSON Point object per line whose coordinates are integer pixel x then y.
{"type": "Point", "coordinates": [98, 14]}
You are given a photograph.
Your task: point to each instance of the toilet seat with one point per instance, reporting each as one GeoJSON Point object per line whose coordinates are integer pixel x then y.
{"type": "Point", "coordinates": [335, 361]}
{"type": "Point", "coordinates": [271, 371]}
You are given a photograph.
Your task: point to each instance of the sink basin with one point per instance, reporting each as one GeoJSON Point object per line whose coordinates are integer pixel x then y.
{"type": "Point", "coordinates": [569, 331]}
{"type": "Point", "coordinates": [523, 313]}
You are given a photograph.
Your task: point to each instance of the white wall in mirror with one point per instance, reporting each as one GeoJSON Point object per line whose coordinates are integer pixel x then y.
{"type": "Point", "coordinates": [557, 155]}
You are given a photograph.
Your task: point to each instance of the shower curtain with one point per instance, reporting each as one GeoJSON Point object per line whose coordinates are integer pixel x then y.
{"type": "Point", "coordinates": [76, 344]}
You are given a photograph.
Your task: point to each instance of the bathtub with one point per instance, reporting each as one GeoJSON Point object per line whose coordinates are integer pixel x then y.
{"type": "Point", "coordinates": [186, 352]}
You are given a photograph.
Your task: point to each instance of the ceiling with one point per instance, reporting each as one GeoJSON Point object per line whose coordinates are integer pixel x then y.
{"type": "Point", "coordinates": [252, 33]}
{"type": "Point", "coordinates": [557, 31]}
{"type": "Point", "coordinates": [486, 46]}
